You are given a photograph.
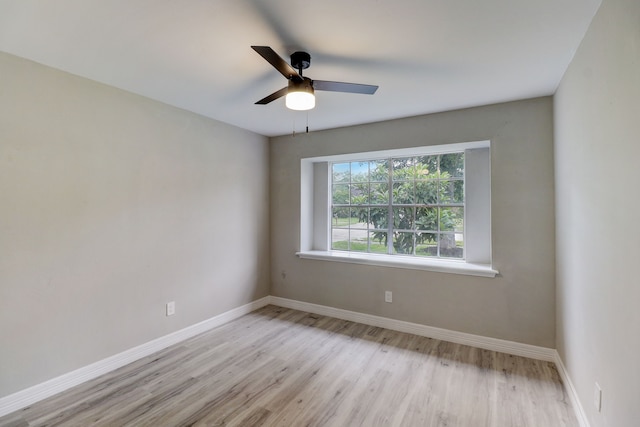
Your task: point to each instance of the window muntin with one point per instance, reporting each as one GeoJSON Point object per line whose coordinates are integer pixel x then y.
{"type": "Point", "coordinates": [422, 216]}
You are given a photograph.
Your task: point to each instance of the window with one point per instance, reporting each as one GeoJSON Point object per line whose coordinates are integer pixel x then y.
{"type": "Point", "coordinates": [421, 208]}
{"type": "Point", "coordinates": [422, 215]}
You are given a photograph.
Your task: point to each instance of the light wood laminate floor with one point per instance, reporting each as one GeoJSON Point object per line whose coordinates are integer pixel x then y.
{"type": "Point", "coordinates": [281, 367]}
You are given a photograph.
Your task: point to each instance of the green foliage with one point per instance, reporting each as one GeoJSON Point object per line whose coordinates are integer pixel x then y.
{"type": "Point", "coordinates": [420, 182]}
{"type": "Point", "coordinates": [359, 246]}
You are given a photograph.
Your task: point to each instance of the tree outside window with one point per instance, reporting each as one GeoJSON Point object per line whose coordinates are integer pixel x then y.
{"type": "Point", "coordinates": [405, 206]}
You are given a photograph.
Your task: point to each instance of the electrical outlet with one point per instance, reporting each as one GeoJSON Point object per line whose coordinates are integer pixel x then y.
{"type": "Point", "coordinates": [597, 397]}
{"type": "Point", "coordinates": [171, 308]}
{"type": "Point", "coordinates": [388, 296]}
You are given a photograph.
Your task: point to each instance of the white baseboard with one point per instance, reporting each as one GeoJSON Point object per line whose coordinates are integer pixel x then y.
{"type": "Point", "coordinates": [29, 396]}
{"type": "Point", "coordinates": [572, 392]}
{"type": "Point", "coordinates": [509, 347]}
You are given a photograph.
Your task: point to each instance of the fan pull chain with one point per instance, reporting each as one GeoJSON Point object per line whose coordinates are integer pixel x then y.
{"type": "Point", "coordinates": [293, 134]}
{"type": "Point", "coordinates": [293, 131]}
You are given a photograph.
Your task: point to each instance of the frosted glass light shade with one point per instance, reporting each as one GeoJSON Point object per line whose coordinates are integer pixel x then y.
{"type": "Point", "coordinates": [300, 100]}
{"type": "Point", "coordinates": [300, 95]}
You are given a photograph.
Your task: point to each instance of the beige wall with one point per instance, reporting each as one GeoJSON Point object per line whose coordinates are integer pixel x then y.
{"type": "Point", "coordinates": [111, 205]}
{"type": "Point", "coordinates": [518, 305]}
{"type": "Point", "coordinates": [597, 140]}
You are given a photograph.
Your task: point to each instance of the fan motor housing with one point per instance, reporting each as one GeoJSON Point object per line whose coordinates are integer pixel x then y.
{"type": "Point", "coordinates": [300, 60]}
{"type": "Point", "coordinates": [306, 85]}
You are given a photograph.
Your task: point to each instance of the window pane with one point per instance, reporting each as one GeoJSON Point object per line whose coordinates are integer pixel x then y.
{"type": "Point", "coordinates": [458, 191]}
{"type": "Point", "coordinates": [427, 244]}
{"type": "Point", "coordinates": [378, 242]}
{"type": "Point", "coordinates": [340, 172]}
{"type": "Point", "coordinates": [379, 194]}
{"type": "Point", "coordinates": [426, 192]}
{"type": "Point", "coordinates": [448, 247]}
{"type": "Point", "coordinates": [358, 240]}
{"type": "Point", "coordinates": [459, 240]}
{"type": "Point", "coordinates": [359, 171]}
{"type": "Point", "coordinates": [452, 191]}
{"type": "Point", "coordinates": [340, 217]}
{"type": "Point", "coordinates": [451, 219]}
{"type": "Point", "coordinates": [354, 218]}
{"type": "Point", "coordinates": [427, 219]}
{"type": "Point", "coordinates": [360, 194]}
{"type": "Point", "coordinates": [422, 168]}
{"type": "Point", "coordinates": [359, 217]}
{"type": "Point", "coordinates": [452, 165]}
{"type": "Point", "coordinates": [402, 168]}
{"type": "Point", "coordinates": [403, 193]}
{"type": "Point", "coordinates": [458, 214]}
{"type": "Point", "coordinates": [379, 170]}
{"type": "Point", "coordinates": [403, 243]}
{"type": "Point", "coordinates": [340, 239]}
{"type": "Point", "coordinates": [340, 194]}
{"type": "Point", "coordinates": [403, 218]}
{"type": "Point", "coordinates": [379, 218]}
{"type": "Point", "coordinates": [431, 164]}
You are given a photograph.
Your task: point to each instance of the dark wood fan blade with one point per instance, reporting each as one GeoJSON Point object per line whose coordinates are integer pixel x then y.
{"type": "Point", "coordinates": [278, 63]}
{"type": "Point", "coordinates": [344, 87]}
{"type": "Point", "coordinates": [275, 95]}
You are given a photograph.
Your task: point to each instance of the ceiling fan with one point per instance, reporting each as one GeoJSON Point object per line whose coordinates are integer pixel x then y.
{"type": "Point", "coordinates": [300, 90]}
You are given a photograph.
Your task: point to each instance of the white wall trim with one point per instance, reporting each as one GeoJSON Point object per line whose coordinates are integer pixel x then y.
{"type": "Point", "coordinates": [41, 391]}
{"type": "Point", "coordinates": [572, 392]}
{"type": "Point", "coordinates": [509, 347]}
{"type": "Point", "coordinates": [395, 261]}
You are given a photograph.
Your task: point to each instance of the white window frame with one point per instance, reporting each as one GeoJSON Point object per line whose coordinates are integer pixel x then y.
{"type": "Point", "coordinates": [315, 206]}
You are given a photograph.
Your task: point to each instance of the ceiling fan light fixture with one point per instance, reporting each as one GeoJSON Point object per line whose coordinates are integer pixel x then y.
{"type": "Point", "coordinates": [300, 95]}
{"type": "Point", "coordinates": [300, 101]}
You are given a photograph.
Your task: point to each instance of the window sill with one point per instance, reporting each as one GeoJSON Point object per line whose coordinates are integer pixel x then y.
{"type": "Point", "coordinates": [441, 266]}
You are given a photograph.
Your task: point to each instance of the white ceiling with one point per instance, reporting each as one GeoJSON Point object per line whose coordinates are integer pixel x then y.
{"type": "Point", "coordinates": [426, 55]}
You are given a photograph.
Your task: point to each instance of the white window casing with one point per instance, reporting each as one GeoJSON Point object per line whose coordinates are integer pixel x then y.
{"type": "Point", "coordinates": [315, 241]}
